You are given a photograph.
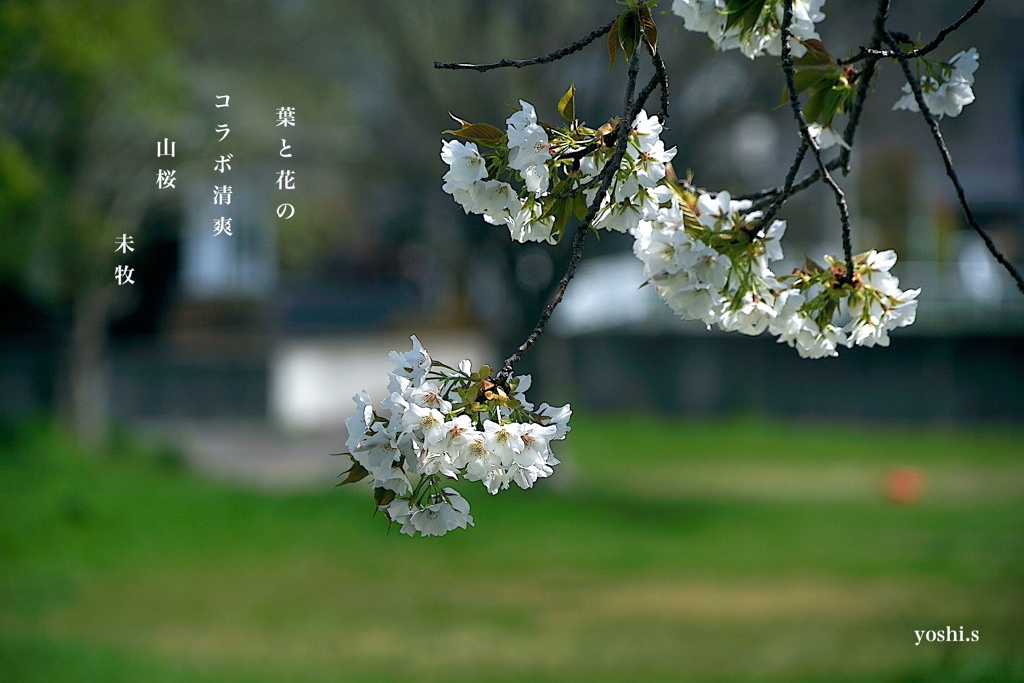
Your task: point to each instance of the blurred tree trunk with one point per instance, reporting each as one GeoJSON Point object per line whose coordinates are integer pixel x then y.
{"type": "Point", "coordinates": [87, 374]}
{"type": "Point", "coordinates": [109, 196]}
{"type": "Point", "coordinates": [88, 87]}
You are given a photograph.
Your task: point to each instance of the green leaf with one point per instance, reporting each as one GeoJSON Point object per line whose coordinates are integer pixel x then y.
{"type": "Point", "coordinates": [808, 61]}
{"type": "Point", "coordinates": [743, 13]}
{"type": "Point", "coordinates": [581, 206]}
{"type": "Point", "coordinates": [613, 45]}
{"type": "Point", "coordinates": [549, 205]}
{"type": "Point", "coordinates": [812, 267]}
{"type": "Point", "coordinates": [629, 33]}
{"type": "Point", "coordinates": [355, 474]}
{"type": "Point", "coordinates": [562, 211]}
{"type": "Point", "coordinates": [831, 102]}
{"type": "Point", "coordinates": [784, 100]}
{"type": "Point", "coordinates": [478, 132]}
{"type": "Point", "coordinates": [807, 79]}
{"type": "Point", "coordinates": [567, 105]}
{"type": "Point", "coordinates": [382, 496]}
{"type": "Point", "coordinates": [816, 52]}
{"type": "Point", "coordinates": [649, 29]}
{"type": "Point", "coordinates": [812, 110]}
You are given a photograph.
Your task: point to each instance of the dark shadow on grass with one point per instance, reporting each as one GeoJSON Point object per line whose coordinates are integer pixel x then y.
{"type": "Point", "coordinates": [607, 508]}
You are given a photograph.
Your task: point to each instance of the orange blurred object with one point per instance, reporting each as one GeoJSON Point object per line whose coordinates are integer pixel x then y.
{"type": "Point", "coordinates": [904, 485]}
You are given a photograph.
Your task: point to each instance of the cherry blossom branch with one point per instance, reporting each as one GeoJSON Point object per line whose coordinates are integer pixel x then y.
{"type": "Point", "coordinates": [947, 160]}
{"type": "Point", "coordinates": [919, 52]}
{"type": "Point", "coordinates": [780, 195]}
{"type": "Point", "coordinates": [798, 114]}
{"type": "Point", "coordinates": [607, 174]}
{"type": "Point", "coordinates": [520, 63]}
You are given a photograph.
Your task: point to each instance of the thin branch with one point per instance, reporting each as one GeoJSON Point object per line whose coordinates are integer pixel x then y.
{"type": "Point", "coordinates": [766, 196]}
{"type": "Point", "coordinates": [638, 104]}
{"type": "Point", "coordinates": [945, 32]}
{"type": "Point", "coordinates": [662, 74]}
{"type": "Point", "coordinates": [641, 99]}
{"type": "Point", "coordinates": [554, 56]}
{"type": "Point", "coordinates": [864, 84]}
{"type": "Point", "coordinates": [798, 114]}
{"type": "Point", "coordinates": [579, 188]}
{"type": "Point", "coordinates": [947, 159]}
{"type": "Point", "coordinates": [607, 175]}
{"type": "Point", "coordinates": [787, 188]}
{"type": "Point", "coordinates": [895, 52]}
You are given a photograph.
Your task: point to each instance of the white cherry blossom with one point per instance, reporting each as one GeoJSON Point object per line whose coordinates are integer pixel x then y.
{"type": "Point", "coordinates": [412, 364]}
{"type": "Point", "coordinates": [520, 124]}
{"type": "Point", "coordinates": [773, 241]}
{"type": "Point", "coordinates": [503, 441]}
{"type": "Point", "coordinates": [558, 416]}
{"type": "Point", "coordinates": [529, 148]}
{"type": "Point", "coordinates": [376, 453]}
{"type": "Point", "coordinates": [947, 92]}
{"type": "Point", "coordinates": [528, 226]}
{"type": "Point", "coordinates": [440, 518]}
{"type": "Point", "coordinates": [826, 136]}
{"type": "Point", "coordinates": [708, 16]}
{"type": "Point", "coordinates": [525, 477]}
{"type": "Point", "coordinates": [496, 201]}
{"type": "Point", "coordinates": [428, 395]}
{"type": "Point", "coordinates": [467, 166]}
{"type": "Point", "coordinates": [453, 437]}
{"type": "Point", "coordinates": [428, 421]}
{"type": "Point", "coordinates": [752, 317]}
{"type": "Point", "coordinates": [535, 451]}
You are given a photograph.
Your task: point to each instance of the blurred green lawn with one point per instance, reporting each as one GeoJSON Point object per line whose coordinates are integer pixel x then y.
{"type": "Point", "coordinates": [662, 551]}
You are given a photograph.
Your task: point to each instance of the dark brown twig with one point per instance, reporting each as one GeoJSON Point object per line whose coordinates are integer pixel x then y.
{"type": "Point", "coordinates": [947, 159]}
{"type": "Point", "coordinates": [798, 114]}
{"type": "Point", "coordinates": [766, 196]}
{"type": "Point", "coordinates": [894, 53]}
{"type": "Point", "coordinates": [787, 189]}
{"type": "Point", "coordinates": [607, 174]}
{"type": "Point", "coordinates": [864, 84]}
{"type": "Point", "coordinates": [662, 74]}
{"type": "Point", "coordinates": [520, 63]}
{"type": "Point", "coordinates": [773, 195]}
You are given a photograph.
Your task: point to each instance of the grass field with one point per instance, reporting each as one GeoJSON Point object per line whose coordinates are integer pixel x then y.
{"type": "Point", "coordinates": [733, 551]}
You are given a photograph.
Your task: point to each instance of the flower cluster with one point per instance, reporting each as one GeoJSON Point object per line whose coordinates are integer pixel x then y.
{"type": "Point", "coordinates": [946, 86]}
{"type": "Point", "coordinates": [496, 201]}
{"type": "Point", "coordinates": [441, 422]}
{"type": "Point", "coordinates": [708, 259]}
{"type": "Point", "coordinates": [637, 191]}
{"type": "Point", "coordinates": [707, 256]}
{"type": "Point", "coordinates": [558, 173]}
{"type": "Point", "coordinates": [752, 26]}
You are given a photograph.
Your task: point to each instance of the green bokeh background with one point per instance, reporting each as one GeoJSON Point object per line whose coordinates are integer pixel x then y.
{"type": "Point", "coordinates": [731, 551]}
